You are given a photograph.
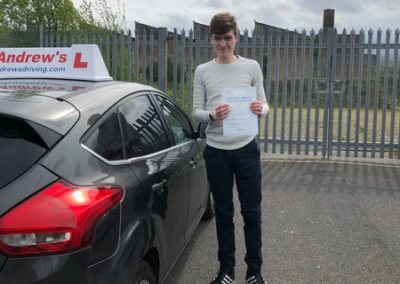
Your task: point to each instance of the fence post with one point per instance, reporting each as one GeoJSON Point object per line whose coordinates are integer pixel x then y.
{"type": "Point", "coordinates": [121, 55]}
{"type": "Point", "coordinates": [129, 55]}
{"type": "Point", "coordinates": [162, 59]}
{"type": "Point", "coordinates": [41, 36]}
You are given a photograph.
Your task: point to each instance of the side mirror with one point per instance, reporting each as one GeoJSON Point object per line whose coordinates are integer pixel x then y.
{"type": "Point", "coordinates": [201, 130]}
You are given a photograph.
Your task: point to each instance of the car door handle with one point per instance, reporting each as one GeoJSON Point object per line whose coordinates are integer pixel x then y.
{"type": "Point", "coordinates": [193, 164]}
{"type": "Point", "coordinates": [159, 187]}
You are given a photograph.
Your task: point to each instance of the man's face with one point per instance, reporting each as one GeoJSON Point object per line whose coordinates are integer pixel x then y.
{"type": "Point", "coordinates": [224, 44]}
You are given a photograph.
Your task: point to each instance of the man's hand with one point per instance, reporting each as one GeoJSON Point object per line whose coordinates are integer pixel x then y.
{"type": "Point", "coordinates": [256, 107]}
{"type": "Point", "coordinates": [220, 112]}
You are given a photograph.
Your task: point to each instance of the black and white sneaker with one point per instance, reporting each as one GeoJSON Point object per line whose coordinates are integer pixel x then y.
{"type": "Point", "coordinates": [225, 276]}
{"type": "Point", "coordinates": [255, 279]}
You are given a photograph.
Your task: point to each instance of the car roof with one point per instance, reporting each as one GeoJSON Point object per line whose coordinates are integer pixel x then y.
{"type": "Point", "coordinates": [57, 104]}
{"type": "Point", "coordinates": [103, 95]}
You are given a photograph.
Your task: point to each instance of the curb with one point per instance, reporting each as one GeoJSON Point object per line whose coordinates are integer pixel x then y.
{"type": "Point", "coordinates": [265, 157]}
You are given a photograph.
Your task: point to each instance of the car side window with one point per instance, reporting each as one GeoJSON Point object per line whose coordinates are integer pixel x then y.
{"type": "Point", "coordinates": [142, 128]}
{"type": "Point", "coordinates": [106, 140]}
{"type": "Point", "coordinates": [180, 126]}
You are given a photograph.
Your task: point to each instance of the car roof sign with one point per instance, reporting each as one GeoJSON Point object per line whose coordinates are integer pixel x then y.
{"type": "Point", "coordinates": [78, 62]}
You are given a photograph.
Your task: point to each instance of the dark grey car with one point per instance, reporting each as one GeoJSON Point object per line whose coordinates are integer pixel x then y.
{"type": "Point", "coordinates": [100, 182]}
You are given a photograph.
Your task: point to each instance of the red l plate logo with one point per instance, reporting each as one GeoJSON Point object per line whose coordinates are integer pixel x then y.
{"type": "Point", "coordinates": [78, 63]}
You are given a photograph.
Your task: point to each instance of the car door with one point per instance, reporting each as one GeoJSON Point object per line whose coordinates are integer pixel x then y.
{"type": "Point", "coordinates": [191, 158]}
{"type": "Point", "coordinates": [164, 176]}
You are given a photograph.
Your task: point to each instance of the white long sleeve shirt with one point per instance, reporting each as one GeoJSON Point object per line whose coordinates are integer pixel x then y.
{"type": "Point", "coordinates": [209, 79]}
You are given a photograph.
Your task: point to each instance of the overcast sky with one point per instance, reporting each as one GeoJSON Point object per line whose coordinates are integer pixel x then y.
{"type": "Point", "coordinates": [287, 14]}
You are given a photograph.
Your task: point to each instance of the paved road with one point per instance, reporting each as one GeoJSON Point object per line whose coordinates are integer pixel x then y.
{"type": "Point", "coordinates": [324, 222]}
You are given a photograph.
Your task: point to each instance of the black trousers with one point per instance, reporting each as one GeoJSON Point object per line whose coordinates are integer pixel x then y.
{"type": "Point", "coordinates": [223, 166]}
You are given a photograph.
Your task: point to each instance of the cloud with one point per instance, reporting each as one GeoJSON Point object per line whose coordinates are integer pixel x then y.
{"type": "Point", "coordinates": [212, 4]}
{"type": "Point", "coordinates": [344, 6]}
{"type": "Point", "coordinates": [185, 20]}
{"type": "Point", "coordinates": [287, 14]}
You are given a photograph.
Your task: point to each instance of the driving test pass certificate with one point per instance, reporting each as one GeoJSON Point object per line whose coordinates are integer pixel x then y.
{"type": "Point", "coordinates": [240, 121]}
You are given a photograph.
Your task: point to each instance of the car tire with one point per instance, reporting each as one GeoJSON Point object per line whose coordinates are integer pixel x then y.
{"type": "Point", "coordinates": [209, 212]}
{"type": "Point", "coordinates": [145, 274]}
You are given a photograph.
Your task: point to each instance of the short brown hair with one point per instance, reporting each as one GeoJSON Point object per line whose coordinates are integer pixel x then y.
{"type": "Point", "coordinates": [222, 23]}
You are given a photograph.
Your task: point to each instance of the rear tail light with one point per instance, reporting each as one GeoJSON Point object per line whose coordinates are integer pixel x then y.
{"type": "Point", "coordinates": [59, 219]}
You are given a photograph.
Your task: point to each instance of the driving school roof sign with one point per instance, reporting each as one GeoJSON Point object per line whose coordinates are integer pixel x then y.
{"type": "Point", "coordinates": [79, 62]}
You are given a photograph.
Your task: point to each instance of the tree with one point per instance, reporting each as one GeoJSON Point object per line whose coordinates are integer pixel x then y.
{"type": "Point", "coordinates": [98, 14]}
{"type": "Point", "coordinates": [61, 15]}
{"type": "Point", "coordinates": [52, 14]}
{"type": "Point", "coordinates": [2, 14]}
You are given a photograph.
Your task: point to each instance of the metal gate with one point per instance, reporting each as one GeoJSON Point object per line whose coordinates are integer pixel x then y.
{"type": "Point", "coordinates": [367, 95]}
{"type": "Point", "coordinates": [333, 94]}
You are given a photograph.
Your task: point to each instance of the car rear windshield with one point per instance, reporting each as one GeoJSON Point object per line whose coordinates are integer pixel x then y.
{"type": "Point", "coordinates": [22, 143]}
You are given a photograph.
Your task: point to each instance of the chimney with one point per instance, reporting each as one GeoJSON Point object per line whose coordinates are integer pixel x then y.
{"type": "Point", "coordinates": [328, 23]}
{"type": "Point", "coordinates": [329, 19]}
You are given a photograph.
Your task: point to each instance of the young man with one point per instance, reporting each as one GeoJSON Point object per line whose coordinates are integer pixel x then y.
{"type": "Point", "coordinates": [229, 157]}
